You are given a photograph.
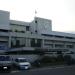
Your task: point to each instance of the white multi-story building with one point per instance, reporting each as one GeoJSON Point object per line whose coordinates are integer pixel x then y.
{"type": "Point", "coordinates": [36, 37]}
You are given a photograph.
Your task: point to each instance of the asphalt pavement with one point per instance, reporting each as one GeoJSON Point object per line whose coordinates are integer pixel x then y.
{"type": "Point", "coordinates": [62, 70]}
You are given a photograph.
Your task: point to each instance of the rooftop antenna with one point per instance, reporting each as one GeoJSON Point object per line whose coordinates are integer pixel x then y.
{"type": "Point", "coordinates": [35, 13]}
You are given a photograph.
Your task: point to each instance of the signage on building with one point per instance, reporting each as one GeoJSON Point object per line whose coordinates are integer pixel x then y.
{"type": "Point", "coordinates": [3, 47]}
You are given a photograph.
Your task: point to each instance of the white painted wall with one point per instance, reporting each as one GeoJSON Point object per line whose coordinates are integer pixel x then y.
{"type": "Point", "coordinates": [4, 20]}
{"type": "Point", "coordinates": [42, 25]}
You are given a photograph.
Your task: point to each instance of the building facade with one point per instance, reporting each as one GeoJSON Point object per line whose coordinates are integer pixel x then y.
{"type": "Point", "coordinates": [32, 38]}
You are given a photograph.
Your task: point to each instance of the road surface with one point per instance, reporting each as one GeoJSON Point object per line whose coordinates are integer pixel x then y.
{"type": "Point", "coordinates": [67, 70]}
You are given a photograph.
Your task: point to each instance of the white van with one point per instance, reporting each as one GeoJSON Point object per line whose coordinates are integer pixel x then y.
{"type": "Point", "coordinates": [22, 63]}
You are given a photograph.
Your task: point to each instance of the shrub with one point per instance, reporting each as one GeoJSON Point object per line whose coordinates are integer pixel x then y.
{"type": "Point", "coordinates": [47, 59]}
{"type": "Point", "coordinates": [60, 58]}
{"type": "Point", "coordinates": [68, 59]}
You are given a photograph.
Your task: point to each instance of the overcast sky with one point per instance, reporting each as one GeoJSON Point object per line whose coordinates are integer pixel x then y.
{"type": "Point", "coordinates": [61, 12]}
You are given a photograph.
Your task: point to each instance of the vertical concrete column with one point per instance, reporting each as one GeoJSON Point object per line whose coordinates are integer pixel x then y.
{"type": "Point", "coordinates": [42, 43]}
{"type": "Point", "coordinates": [9, 41]}
{"type": "Point", "coordinates": [74, 45]}
{"type": "Point", "coordinates": [64, 45]}
{"type": "Point", "coordinates": [53, 46]}
{"type": "Point", "coordinates": [27, 42]}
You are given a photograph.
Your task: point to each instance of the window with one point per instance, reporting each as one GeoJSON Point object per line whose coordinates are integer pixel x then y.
{"type": "Point", "coordinates": [35, 21]}
{"type": "Point", "coordinates": [22, 31]}
{"type": "Point", "coordinates": [70, 37]}
{"type": "Point", "coordinates": [2, 30]}
{"type": "Point", "coordinates": [21, 60]}
{"type": "Point", "coordinates": [35, 42]}
{"type": "Point", "coordinates": [16, 30]}
{"type": "Point", "coordinates": [27, 28]}
{"type": "Point", "coordinates": [48, 35]}
{"type": "Point", "coordinates": [59, 52]}
{"type": "Point", "coordinates": [70, 46]}
{"type": "Point", "coordinates": [17, 42]}
{"type": "Point", "coordinates": [59, 36]}
{"type": "Point", "coordinates": [59, 46]}
{"type": "Point", "coordinates": [36, 31]}
{"type": "Point", "coordinates": [49, 45]}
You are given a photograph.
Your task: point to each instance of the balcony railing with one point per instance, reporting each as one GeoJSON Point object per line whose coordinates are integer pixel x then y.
{"type": "Point", "coordinates": [22, 49]}
{"type": "Point", "coordinates": [4, 33]}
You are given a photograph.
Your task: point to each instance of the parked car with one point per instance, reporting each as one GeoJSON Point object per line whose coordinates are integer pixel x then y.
{"type": "Point", "coordinates": [5, 63]}
{"type": "Point", "coordinates": [22, 63]}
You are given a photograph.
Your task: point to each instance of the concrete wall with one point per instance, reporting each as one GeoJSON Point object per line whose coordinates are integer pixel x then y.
{"type": "Point", "coordinates": [42, 25]}
{"type": "Point", "coordinates": [4, 20]}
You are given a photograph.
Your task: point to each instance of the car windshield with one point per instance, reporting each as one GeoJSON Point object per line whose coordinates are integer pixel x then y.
{"type": "Point", "coordinates": [21, 60]}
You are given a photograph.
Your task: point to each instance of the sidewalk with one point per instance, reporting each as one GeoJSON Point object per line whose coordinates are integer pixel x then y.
{"type": "Point", "coordinates": [44, 68]}
{"type": "Point", "coordinates": [52, 67]}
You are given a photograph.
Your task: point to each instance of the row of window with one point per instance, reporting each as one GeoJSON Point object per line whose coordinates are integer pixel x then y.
{"type": "Point", "coordinates": [36, 52]}
{"type": "Point", "coordinates": [59, 46]}
{"type": "Point", "coordinates": [3, 30]}
{"type": "Point", "coordinates": [25, 52]}
{"type": "Point", "coordinates": [19, 42]}
{"type": "Point", "coordinates": [59, 36]}
{"type": "Point", "coordinates": [36, 42]}
{"type": "Point", "coordinates": [19, 31]}
{"type": "Point", "coordinates": [27, 28]}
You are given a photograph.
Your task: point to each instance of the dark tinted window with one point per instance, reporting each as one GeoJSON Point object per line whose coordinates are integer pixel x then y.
{"type": "Point", "coordinates": [27, 28]}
